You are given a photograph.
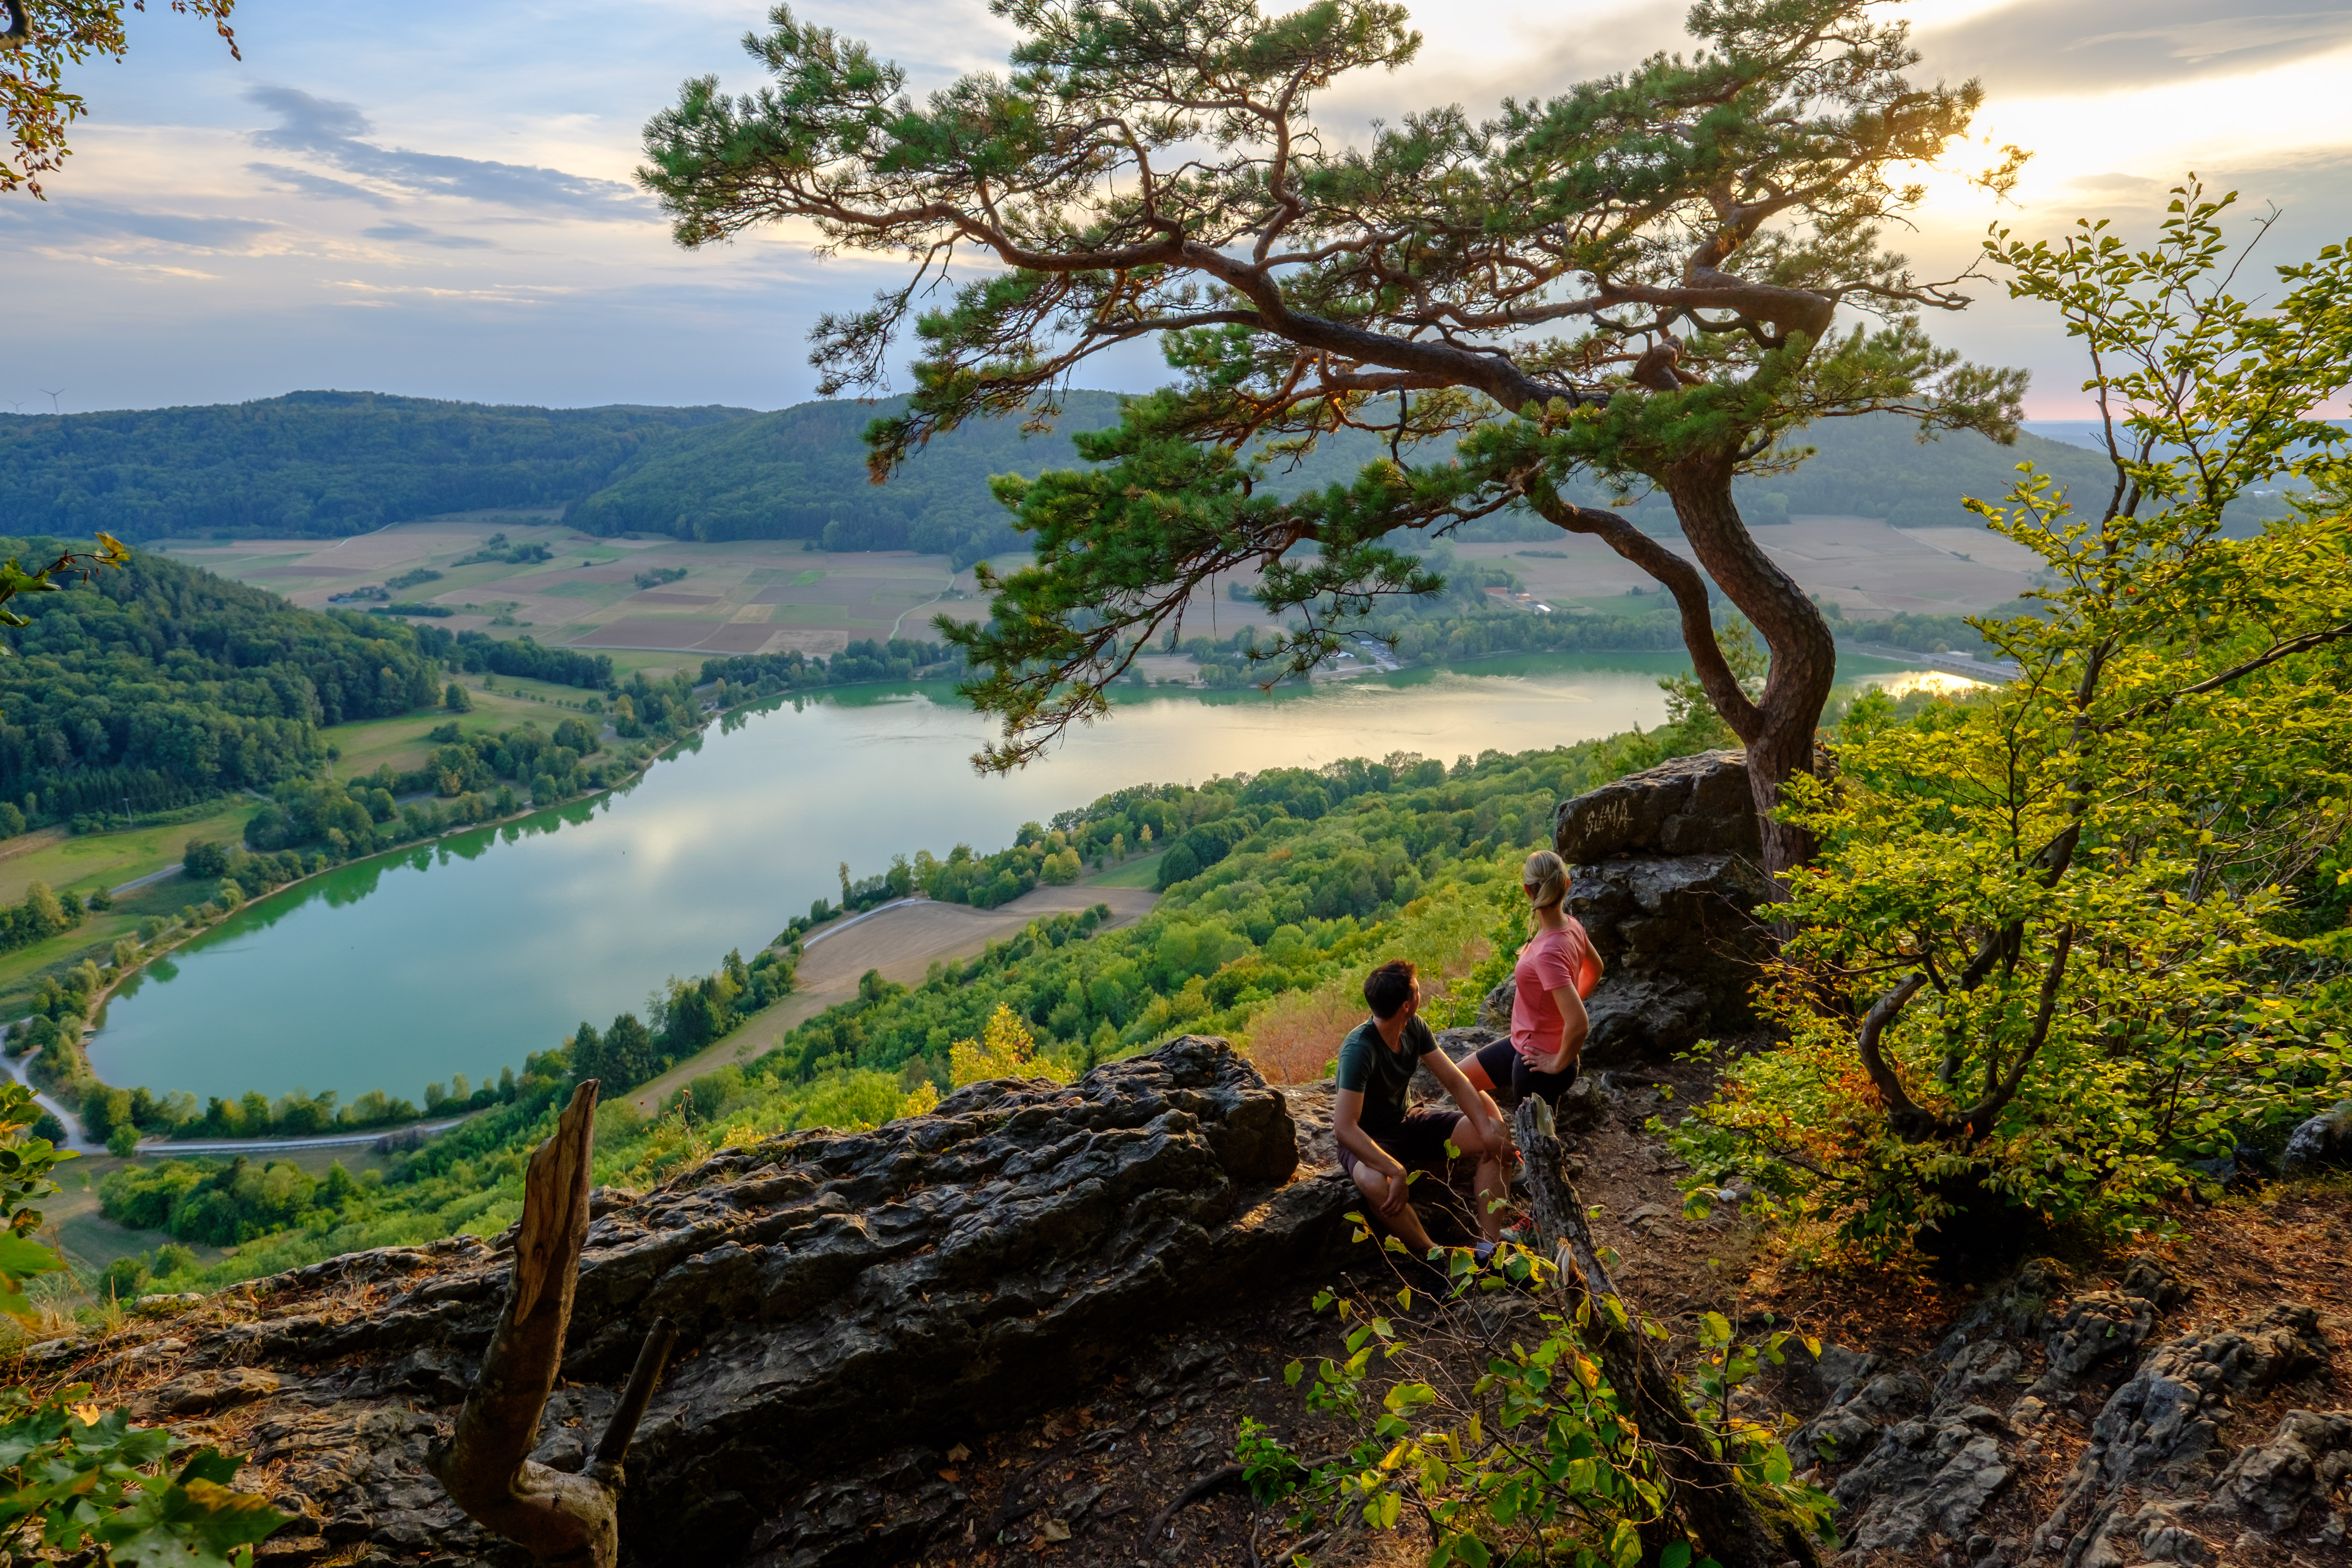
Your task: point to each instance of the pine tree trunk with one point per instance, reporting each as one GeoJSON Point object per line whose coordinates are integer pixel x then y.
{"type": "Point", "coordinates": [1780, 730]}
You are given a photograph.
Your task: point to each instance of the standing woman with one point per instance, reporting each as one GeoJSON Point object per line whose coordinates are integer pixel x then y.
{"type": "Point", "coordinates": [1556, 971]}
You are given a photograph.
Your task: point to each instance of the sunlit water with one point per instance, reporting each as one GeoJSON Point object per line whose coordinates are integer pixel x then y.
{"type": "Point", "coordinates": [465, 955]}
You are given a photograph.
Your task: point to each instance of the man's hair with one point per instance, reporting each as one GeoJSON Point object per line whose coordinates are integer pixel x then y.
{"type": "Point", "coordinates": [1389, 988]}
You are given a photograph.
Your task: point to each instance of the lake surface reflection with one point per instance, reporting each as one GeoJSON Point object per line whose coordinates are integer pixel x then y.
{"type": "Point", "coordinates": [465, 955]}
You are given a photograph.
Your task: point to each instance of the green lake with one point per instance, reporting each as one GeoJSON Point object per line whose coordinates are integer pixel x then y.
{"type": "Point", "coordinates": [463, 955]}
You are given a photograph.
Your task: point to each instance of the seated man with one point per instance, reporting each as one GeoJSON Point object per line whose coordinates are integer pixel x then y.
{"type": "Point", "coordinates": [1379, 1140]}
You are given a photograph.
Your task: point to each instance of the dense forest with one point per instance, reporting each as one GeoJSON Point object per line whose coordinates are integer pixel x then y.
{"type": "Point", "coordinates": [159, 684]}
{"type": "Point", "coordinates": [323, 463]}
{"type": "Point", "coordinates": [800, 473]}
{"type": "Point", "coordinates": [326, 463]}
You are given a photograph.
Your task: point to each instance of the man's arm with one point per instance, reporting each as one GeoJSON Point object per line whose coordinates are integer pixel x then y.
{"type": "Point", "coordinates": [1471, 1103]}
{"type": "Point", "coordinates": [1346, 1127]}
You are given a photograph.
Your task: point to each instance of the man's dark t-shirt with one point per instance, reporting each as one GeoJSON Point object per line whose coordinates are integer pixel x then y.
{"type": "Point", "coordinates": [1381, 1074]}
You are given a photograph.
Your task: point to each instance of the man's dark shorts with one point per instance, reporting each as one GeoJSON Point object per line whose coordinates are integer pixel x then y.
{"type": "Point", "coordinates": [1418, 1141]}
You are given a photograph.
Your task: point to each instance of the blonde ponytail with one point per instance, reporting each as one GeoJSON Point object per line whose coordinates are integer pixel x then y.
{"type": "Point", "coordinates": [1546, 873]}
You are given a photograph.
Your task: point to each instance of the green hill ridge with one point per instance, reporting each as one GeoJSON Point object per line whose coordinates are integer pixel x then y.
{"type": "Point", "coordinates": [329, 464]}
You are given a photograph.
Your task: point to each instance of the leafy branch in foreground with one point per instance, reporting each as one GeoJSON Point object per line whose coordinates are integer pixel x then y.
{"type": "Point", "coordinates": [74, 1476]}
{"type": "Point", "coordinates": [1538, 1423]}
{"type": "Point", "coordinates": [1635, 285]}
{"type": "Point", "coordinates": [42, 39]}
{"type": "Point", "coordinates": [2043, 964]}
{"type": "Point", "coordinates": [15, 579]}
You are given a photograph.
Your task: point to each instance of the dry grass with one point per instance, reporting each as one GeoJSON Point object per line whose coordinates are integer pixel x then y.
{"type": "Point", "coordinates": [1299, 1033]}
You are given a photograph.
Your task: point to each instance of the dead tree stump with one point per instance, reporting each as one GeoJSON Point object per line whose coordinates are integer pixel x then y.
{"type": "Point", "coordinates": [561, 1519]}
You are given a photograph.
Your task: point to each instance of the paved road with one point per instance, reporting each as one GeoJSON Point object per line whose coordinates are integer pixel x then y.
{"type": "Point", "coordinates": [171, 870]}
{"type": "Point", "coordinates": [1960, 663]}
{"type": "Point", "coordinates": [74, 1140]}
{"type": "Point", "coordinates": [168, 1147]}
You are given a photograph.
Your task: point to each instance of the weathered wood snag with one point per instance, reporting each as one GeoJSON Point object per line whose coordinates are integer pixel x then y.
{"type": "Point", "coordinates": [561, 1519]}
{"type": "Point", "coordinates": [1731, 1528]}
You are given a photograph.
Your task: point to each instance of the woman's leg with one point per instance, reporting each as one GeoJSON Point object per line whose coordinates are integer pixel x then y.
{"type": "Point", "coordinates": [1488, 1069]}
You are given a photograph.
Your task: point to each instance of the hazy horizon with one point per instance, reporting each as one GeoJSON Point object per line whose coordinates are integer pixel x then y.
{"type": "Point", "coordinates": [437, 200]}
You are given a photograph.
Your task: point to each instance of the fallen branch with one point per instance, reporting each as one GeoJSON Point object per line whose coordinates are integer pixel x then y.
{"type": "Point", "coordinates": [561, 1519]}
{"type": "Point", "coordinates": [1216, 1480]}
{"type": "Point", "coordinates": [1704, 1489]}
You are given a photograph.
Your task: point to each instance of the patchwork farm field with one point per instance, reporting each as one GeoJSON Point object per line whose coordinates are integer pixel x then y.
{"type": "Point", "coordinates": [657, 603]}
{"type": "Point", "coordinates": [1869, 570]}
{"type": "Point", "coordinates": [641, 596]}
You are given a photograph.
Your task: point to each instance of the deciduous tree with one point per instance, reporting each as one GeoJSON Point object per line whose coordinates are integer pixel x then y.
{"type": "Point", "coordinates": [38, 40]}
{"type": "Point", "coordinates": [2045, 959]}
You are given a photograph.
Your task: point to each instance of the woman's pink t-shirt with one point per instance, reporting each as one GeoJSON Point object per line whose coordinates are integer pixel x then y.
{"type": "Point", "coordinates": [1553, 961]}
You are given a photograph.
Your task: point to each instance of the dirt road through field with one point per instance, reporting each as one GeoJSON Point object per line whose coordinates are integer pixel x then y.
{"type": "Point", "coordinates": [903, 942]}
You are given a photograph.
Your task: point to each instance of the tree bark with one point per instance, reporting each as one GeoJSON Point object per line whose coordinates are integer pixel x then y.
{"type": "Point", "coordinates": [561, 1519]}
{"type": "Point", "coordinates": [1724, 1518]}
{"type": "Point", "coordinates": [1779, 729]}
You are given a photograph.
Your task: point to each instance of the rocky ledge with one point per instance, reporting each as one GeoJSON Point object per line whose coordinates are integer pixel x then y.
{"type": "Point", "coordinates": [1665, 880]}
{"type": "Point", "coordinates": [840, 1296]}
{"type": "Point", "coordinates": [2198, 1451]}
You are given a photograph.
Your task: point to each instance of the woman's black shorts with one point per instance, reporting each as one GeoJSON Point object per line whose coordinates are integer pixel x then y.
{"type": "Point", "coordinates": [1502, 1064]}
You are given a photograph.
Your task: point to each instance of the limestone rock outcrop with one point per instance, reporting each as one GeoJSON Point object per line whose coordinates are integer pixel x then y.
{"type": "Point", "coordinates": [2323, 1142]}
{"type": "Point", "coordinates": [1688, 805]}
{"type": "Point", "coordinates": [2158, 1439]}
{"type": "Point", "coordinates": [1665, 880]}
{"type": "Point", "coordinates": [845, 1302]}
{"type": "Point", "coordinates": [1925, 1452]}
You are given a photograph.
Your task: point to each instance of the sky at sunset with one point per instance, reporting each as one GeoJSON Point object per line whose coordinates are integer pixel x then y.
{"type": "Point", "coordinates": [435, 198]}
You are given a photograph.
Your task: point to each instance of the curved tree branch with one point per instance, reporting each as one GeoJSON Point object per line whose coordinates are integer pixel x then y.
{"type": "Point", "coordinates": [1977, 1119]}
{"type": "Point", "coordinates": [1679, 577]}
{"type": "Point", "coordinates": [1901, 1109]}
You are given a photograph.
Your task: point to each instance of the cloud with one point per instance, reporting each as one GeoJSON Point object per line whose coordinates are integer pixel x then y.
{"type": "Point", "coordinates": [2114, 186]}
{"type": "Point", "coordinates": [500, 294]}
{"type": "Point", "coordinates": [307, 124]}
{"type": "Point", "coordinates": [336, 133]}
{"type": "Point", "coordinates": [416, 234]}
{"type": "Point", "coordinates": [2071, 47]}
{"type": "Point", "coordinates": [102, 218]}
{"type": "Point", "coordinates": [304, 183]}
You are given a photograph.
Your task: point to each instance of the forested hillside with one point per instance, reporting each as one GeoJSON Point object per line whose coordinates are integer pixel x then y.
{"type": "Point", "coordinates": [330, 463]}
{"type": "Point", "coordinates": [800, 473]}
{"type": "Point", "coordinates": [159, 684]}
{"type": "Point", "coordinates": [322, 463]}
